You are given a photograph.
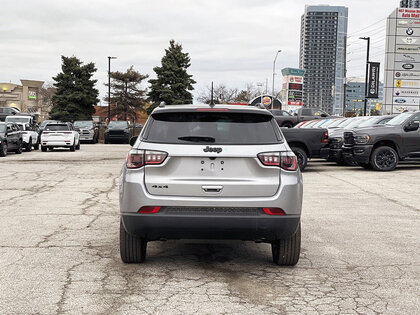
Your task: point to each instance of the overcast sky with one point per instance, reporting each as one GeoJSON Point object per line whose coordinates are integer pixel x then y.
{"type": "Point", "coordinates": [230, 41]}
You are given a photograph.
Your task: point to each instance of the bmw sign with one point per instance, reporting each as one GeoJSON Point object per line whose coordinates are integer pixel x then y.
{"type": "Point", "coordinates": [409, 31]}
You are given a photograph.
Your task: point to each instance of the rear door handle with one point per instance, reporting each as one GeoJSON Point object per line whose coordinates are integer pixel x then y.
{"type": "Point", "coordinates": [212, 189]}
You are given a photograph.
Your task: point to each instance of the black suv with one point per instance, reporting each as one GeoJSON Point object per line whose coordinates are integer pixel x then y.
{"type": "Point", "coordinates": [10, 138]}
{"type": "Point", "coordinates": [7, 111]}
{"type": "Point", "coordinates": [117, 131]}
{"type": "Point", "coordinates": [382, 147]}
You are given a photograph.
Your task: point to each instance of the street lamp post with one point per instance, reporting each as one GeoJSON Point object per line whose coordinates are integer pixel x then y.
{"type": "Point", "coordinates": [367, 72]}
{"type": "Point", "coordinates": [109, 87]}
{"type": "Point", "coordinates": [274, 74]}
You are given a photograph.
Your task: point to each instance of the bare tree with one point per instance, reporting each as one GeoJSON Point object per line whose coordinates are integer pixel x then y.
{"type": "Point", "coordinates": [46, 94]}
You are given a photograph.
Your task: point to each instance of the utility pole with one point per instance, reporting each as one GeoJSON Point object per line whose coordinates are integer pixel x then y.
{"type": "Point", "coordinates": [367, 73]}
{"type": "Point", "coordinates": [274, 74]}
{"type": "Point", "coordinates": [109, 87]}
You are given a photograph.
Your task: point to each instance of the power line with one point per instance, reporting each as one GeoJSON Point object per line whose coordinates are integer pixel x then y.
{"type": "Point", "coordinates": [365, 28]}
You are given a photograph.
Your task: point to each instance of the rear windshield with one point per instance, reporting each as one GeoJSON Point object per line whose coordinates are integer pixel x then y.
{"type": "Point", "coordinates": [56, 127]}
{"type": "Point", "coordinates": [212, 127]}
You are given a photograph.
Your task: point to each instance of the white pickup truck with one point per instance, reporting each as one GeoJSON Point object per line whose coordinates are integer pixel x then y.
{"type": "Point", "coordinates": [60, 135]}
{"type": "Point", "coordinates": [29, 137]}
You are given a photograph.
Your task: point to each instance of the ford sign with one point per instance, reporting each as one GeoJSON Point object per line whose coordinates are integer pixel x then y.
{"type": "Point", "coordinates": [399, 100]}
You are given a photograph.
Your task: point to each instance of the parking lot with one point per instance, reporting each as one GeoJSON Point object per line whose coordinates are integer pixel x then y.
{"type": "Point", "coordinates": [59, 246]}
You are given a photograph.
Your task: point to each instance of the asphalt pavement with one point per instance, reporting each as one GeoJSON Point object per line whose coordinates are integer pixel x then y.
{"type": "Point", "coordinates": [59, 246]}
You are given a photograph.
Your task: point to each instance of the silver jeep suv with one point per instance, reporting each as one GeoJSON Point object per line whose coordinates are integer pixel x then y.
{"type": "Point", "coordinates": [203, 172]}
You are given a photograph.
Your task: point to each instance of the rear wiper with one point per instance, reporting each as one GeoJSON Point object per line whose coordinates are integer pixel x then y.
{"type": "Point", "coordinates": [197, 139]}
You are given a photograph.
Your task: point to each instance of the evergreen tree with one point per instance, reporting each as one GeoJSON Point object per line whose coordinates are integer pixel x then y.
{"type": "Point", "coordinates": [127, 96]}
{"type": "Point", "coordinates": [76, 93]}
{"type": "Point", "coordinates": [173, 83]}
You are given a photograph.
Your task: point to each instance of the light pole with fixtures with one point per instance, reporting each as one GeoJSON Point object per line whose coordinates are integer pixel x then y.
{"type": "Point", "coordinates": [109, 87]}
{"type": "Point", "coordinates": [367, 73]}
{"type": "Point", "coordinates": [274, 74]}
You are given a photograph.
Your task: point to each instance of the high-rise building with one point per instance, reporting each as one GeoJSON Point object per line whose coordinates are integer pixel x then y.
{"type": "Point", "coordinates": [410, 4]}
{"type": "Point", "coordinates": [322, 55]}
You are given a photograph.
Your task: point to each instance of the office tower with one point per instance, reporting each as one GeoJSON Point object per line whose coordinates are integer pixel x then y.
{"type": "Point", "coordinates": [322, 55]}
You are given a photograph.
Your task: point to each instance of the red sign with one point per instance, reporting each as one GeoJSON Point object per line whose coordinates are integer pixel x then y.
{"type": "Point", "coordinates": [294, 103]}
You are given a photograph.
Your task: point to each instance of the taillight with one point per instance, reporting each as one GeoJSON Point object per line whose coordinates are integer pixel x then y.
{"type": "Point", "coordinates": [139, 158]}
{"type": "Point", "coordinates": [149, 209]}
{"type": "Point", "coordinates": [155, 157]}
{"type": "Point", "coordinates": [325, 137]}
{"type": "Point", "coordinates": [285, 160]}
{"type": "Point", "coordinates": [274, 211]}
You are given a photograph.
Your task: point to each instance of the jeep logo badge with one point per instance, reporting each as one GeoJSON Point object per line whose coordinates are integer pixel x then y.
{"type": "Point", "coordinates": [208, 149]}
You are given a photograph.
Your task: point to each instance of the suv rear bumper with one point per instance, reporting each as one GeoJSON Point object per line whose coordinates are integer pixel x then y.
{"type": "Point", "coordinates": [264, 228]}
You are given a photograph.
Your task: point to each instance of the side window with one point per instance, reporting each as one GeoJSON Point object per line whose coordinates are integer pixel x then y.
{"type": "Point", "coordinates": [9, 128]}
{"type": "Point", "coordinates": [285, 113]}
{"type": "Point", "coordinates": [1, 110]}
{"type": "Point", "coordinates": [384, 121]}
{"type": "Point", "coordinates": [8, 111]}
{"type": "Point", "coordinates": [306, 112]}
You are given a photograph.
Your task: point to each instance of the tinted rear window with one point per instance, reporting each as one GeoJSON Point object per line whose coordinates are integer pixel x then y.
{"type": "Point", "coordinates": [212, 127]}
{"type": "Point", "coordinates": [56, 127]}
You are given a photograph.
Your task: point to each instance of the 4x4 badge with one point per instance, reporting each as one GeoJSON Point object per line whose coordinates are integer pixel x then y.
{"type": "Point", "coordinates": [208, 149]}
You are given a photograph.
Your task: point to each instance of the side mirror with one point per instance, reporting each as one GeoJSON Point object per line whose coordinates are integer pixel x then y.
{"type": "Point", "coordinates": [133, 140]}
{"type": "Point", "coordinates": [295, 114]}
{"type": "Point", "coordinates": [323, 115]}
{"type": "Point", "coordinates": [412, 126]}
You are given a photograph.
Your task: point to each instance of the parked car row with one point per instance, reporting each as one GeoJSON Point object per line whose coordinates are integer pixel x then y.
{"type": "Point", "coordinates": [373, 142]}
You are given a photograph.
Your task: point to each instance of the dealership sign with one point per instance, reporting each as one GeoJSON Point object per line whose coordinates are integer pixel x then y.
{"type": "Point", "coordinates": [373, 84]}
{"type": "Point", "coordinates": [407, 75]}
{"type": "Point", "coordinates": [406, 92]}
{"type": "Point", "coordinates": [398, 100]}
{"type": "Point", "coordinates": [406, 83]}
{"type": "Point", "coordinates": [413, 49]}
{"type": "Point", "coordinates": [409, 13]}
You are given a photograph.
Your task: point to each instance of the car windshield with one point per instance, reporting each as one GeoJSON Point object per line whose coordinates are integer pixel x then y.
{"type": "Point", "coordinates": [18, 119]}
{"type": "Point", "coordinates": [83, 124]}
{"type": "Point", "coordinates": [45, 122]}
{"type": "Point", "coordinates": [2, 128]}
{"type": "Point", "coordinates": [370, 122]}
{"type": "Point", "coordinates": [212, 127]}
{"type": "Point", "coordinates": [398, 120]}
{"type": "Point", "coordinates": [328, 123]}
{"type": "Point", "coordinates": [118, 124]}
{"type": "Point", "coordinates": [56, 127]}
{"type": "Point", "coordinates": [310, 124]}
{"type": "Point", "coordinates": [319, 123]}
{"type": "Point", "coordinates": [336, 123]}
{"type": "Point", "coordinates": [355, 123]}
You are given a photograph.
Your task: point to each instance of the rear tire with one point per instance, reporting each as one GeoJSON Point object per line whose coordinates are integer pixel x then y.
{"type": "Point", "coordinates": [106, 141]}
{"type": "Point", "coordinates": [78, 146]}
{"type": "Point", "coordinates": [73, 148]}
{"type": "Point", "coordinates": [286, 251]}
{"type": "Point", "coordinates": [132, 249]}
{"type": "Point", "coordinates": [384, 159]}
{"type": "Point", "coordinates": [3, 149]}
{"type": "Point", "coordinates": [43, 148]}
{"type": "Point", "coordinates": [19, 149]}
{"type": "Point", "coordinates": [36, 145]}
{"type": "Point", "coordinates": [29, 145]}
{"type": "Point", "coordinates": [287, 125]}
{"type": "Point", "coordinates": [302, 157]}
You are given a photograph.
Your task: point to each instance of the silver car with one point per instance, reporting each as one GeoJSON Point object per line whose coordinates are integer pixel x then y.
{"type": "Point", "coordinates": [203, 172]}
